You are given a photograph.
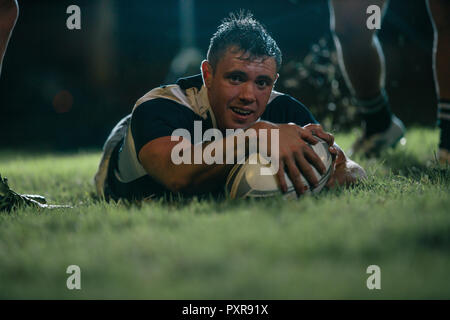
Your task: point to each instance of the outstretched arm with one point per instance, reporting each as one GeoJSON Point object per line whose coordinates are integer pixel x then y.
{"type": "Point", "coordinates": [294, 156]}
{"type": "Point", "coordinates": [9, 11]}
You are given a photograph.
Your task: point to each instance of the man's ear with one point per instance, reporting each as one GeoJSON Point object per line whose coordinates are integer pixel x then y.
{"type": "Point", "coordinates": [207, 73]}
{"type": "Point", "coordinates": [276, 78]}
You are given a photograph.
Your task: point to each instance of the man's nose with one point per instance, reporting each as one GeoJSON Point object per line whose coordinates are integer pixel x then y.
{"type": "Point", "coordinates": [247, 94]}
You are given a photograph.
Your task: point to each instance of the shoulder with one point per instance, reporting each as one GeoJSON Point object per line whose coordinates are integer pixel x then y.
{"type": "Point", "coordinates": [163, 113]}
{"type": "Point", "coordinates": [283, 100]}
{"type": "Point", "coordinates": [159, 118]}
{"type": "Point", "coordinates": [282, 108]}
{"type": "Point", "coordinates": [185, 94]}
{"type": "Point", "coordinates": [190, 82]}
{"type": "Point", "coordinates": [161, 108]}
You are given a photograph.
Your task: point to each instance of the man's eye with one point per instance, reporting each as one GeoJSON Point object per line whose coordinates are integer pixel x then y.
{"type": "Point", "coordinates": [235, 78]}
{"type": "Point", "coordinates": [262, 83]}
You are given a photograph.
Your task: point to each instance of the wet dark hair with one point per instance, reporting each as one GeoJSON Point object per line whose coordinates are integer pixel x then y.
{"type": "Point", "coordinates": [243, 31]}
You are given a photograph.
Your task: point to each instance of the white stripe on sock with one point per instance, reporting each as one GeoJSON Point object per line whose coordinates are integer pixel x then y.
{"type": "Point", "coordinates": [373, 105]}
{"type": "Point", "coordinates": [444, 105]}
{"type": "Point", "coordinates": [443, 116]}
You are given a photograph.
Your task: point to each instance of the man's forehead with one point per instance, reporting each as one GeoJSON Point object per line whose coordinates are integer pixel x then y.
{"type": "Point", "coordinates": [238, 57]}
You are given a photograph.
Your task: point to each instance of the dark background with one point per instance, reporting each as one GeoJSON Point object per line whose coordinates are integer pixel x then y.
{"type": "Point", "coordinates": [65, 89]}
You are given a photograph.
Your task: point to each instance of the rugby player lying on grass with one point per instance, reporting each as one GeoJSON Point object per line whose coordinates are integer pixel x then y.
{"type": "Point", "coordinates": [235, 90]}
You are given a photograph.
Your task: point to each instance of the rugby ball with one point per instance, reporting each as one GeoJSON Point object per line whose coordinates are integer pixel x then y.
{"type": "Point", "coordinates": [246, 181]}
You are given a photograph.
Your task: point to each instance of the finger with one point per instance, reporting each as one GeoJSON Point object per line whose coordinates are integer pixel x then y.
{"type": "Point", "coordinates": [310, 138]}
{"type": "Point", "coordinates": [330, 183]}
{"type": "Point", "coordinates": [314, 159]}
{"type": "Point", "coordinates": [331, 143]}
{"type": "Point", "coordinates": [295, 176]}
{"type": "Point", "coordinates": [328, 137]}
{"type": "Point", "coordinates": [333, 152]}
{"type": "Point", "coordinates": [307, 136]}
{"type": "Point", "coordinates": [318, 131]}
{"type": "Point", "coordinates": [306, 169]}
{"type": "Point", "coordinates": [281, 177]}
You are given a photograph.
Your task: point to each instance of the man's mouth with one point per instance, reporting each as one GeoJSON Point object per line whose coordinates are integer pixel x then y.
{"type": "Point", "coordinates": [241, 112]}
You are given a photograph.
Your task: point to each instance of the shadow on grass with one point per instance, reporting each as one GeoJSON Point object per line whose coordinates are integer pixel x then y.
{"type": "Point", "coordinates": [177, 201]}
{"type": "Point", "coordinates": [411, 166]}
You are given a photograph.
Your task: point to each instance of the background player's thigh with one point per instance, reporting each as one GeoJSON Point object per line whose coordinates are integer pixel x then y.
{"type": "Point", "coordinates": [359, 53]}
{"type": "Point", "coordinates": [440, 15]}
{"type": "Point", "coordinates": [9, 11]}
{"type": "Point", "coordinates": [348, 17]}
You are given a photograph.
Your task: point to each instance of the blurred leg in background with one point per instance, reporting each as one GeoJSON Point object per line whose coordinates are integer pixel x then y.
{"type": "Point", "coordinates": [439, 11]}
{"type": "Point", "coordinates": [362, 62]}
{"type": "Point", "coordinates": [189, 57]}
{"type": "Point", "coordinates": [9, 10]}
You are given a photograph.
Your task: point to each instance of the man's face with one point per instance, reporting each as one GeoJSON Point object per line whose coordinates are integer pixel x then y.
{"type": "Point", "coordinates": [239, 88]}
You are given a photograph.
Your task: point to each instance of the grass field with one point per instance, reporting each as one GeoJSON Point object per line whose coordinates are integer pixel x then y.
{"type": "Point", "coordinates": [317, 247]}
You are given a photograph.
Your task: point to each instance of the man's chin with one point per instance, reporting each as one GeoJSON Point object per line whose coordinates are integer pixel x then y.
{"type": "Point", "coordinates": [233, 124]}
{"type": "Point", "coordinates": [243, 126]}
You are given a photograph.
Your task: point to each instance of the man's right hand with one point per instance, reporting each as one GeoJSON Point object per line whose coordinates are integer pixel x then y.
{"type": "Point", "coordinates": [295, 156]}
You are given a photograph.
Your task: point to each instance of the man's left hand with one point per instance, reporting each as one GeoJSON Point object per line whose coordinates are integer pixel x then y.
{"type": "Point", "coordinates": [311, 130]}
